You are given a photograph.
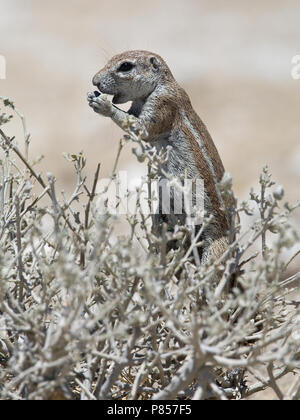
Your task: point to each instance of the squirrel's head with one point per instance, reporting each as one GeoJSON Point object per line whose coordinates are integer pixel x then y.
{"type": "Point", "coordinates": [132, 75]}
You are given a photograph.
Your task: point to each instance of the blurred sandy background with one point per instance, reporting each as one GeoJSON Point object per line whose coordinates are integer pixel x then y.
{"type": "Point", "coordinates": [232, 57]}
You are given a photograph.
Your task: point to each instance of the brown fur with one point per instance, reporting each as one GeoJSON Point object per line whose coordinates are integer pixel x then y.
{"type": "Point", "coordinates": [164, 109]}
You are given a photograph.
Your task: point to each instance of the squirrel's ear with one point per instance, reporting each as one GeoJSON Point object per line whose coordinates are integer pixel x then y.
{"type": "Point", "coordinates": [155, 63]}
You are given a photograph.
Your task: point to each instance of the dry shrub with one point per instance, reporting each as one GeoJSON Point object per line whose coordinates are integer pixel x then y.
{"type": "Point", "coordinates": [85, 317]}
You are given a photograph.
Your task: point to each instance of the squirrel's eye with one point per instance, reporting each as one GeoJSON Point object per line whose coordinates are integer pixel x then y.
{"type": "Point", "coordinates": [126, 66]}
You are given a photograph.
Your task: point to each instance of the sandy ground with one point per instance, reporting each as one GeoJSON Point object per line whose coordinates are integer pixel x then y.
{"type": "Point", "coordinates": [233, 58]}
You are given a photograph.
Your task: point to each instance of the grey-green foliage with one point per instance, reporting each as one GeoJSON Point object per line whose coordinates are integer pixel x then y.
{"type": "Point", "coordinates": [83, 316]}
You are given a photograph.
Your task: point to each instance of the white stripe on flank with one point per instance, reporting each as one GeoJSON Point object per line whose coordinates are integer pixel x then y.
{"type": "Point", "coordinates": [204, 152]}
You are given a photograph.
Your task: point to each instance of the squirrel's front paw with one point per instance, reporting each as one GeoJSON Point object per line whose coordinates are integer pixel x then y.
{"type": "Point", "coordinates": [100, 104]}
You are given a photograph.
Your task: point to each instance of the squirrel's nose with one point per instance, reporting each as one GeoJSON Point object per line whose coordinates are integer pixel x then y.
{"type": "Point", "coordinates": [96, 80]}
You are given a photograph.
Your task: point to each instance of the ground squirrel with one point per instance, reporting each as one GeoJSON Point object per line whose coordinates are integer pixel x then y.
{"type": "Point", "coordinates": [163, 109]}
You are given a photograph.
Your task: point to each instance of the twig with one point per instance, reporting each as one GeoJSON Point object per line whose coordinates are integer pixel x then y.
{"type": "Point", "coordinates": [291, 259]}
{"type": "Point", "coordinates": [91, 196]}
{"type": "Point", "coordinates": [19, 249]}
{"type": "Point", "coordinates": [273, 383]}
